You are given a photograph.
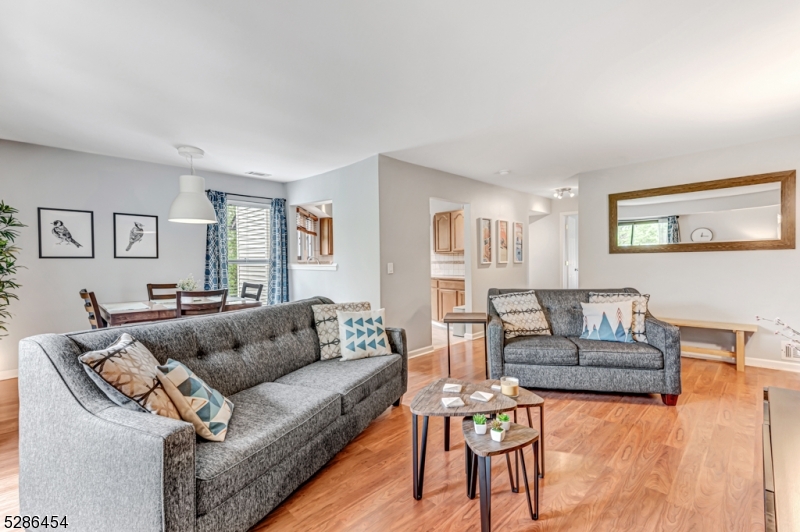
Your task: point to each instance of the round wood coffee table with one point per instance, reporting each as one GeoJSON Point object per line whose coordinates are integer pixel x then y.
{"type": "Point", "coordinates": [479, 449]}
{"type": "Point", "coordinates": [428, 402]}
{"type": "Point", "coordinates": [526, 399]}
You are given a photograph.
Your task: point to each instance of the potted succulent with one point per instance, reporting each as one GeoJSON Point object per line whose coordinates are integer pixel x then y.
{"type": "Point", "coordinates": [504, 420]}
{"type": "Point", "coordinates": [498, 434]}
{"type": "Point", "coordinates": [479, 421]}
{"type": "Point", "coordinates": [187, 285]}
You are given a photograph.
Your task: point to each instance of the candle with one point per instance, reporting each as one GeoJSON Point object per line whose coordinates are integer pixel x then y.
{"type": "Point", "coordinates": [509, 386]}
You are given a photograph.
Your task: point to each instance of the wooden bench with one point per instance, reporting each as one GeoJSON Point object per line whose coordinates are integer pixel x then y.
{"type": "Point", "coordinates": [739, 329]}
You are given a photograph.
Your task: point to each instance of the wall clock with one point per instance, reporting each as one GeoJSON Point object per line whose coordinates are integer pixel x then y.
{"type": "Point", "coordinates": [702, 234]}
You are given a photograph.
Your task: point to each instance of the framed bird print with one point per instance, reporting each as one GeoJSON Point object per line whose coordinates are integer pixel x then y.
{"type": "Point", "coordinates": [66, 234]}
{"type": "Point", "coordinates": [485, 228]}
{"type": "Point", "coordinates": [135, 236]}
{"type": "Point", "coordinates": [519, 255]}
{"type": "Point", "coordinates": [502, 242]}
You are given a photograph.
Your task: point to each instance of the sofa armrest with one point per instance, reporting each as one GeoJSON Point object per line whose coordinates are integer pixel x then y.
{"type": "Point", "coordinates": [399, 345]}
{"type": "Point", "coordinates": [666, 338]}
{"type": "Point", "coordinates": [495, 343]}
{"type": "Point", "coordinates": [112, 469]}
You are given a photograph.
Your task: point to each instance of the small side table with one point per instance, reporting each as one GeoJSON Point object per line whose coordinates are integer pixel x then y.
{"type": "Point", "coordinates": [526, 399]}
{"type": "Point", "coordinates": [480, 448]}
{"type": "Point", "coordinates": [468, 317]}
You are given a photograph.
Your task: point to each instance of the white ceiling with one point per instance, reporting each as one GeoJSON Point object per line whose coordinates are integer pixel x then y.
{"type": "Point", "coordinates": [294, 88]}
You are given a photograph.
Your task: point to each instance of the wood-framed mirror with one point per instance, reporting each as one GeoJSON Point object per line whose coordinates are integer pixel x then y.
{"type": "Point", "coordinates": [742, 213]}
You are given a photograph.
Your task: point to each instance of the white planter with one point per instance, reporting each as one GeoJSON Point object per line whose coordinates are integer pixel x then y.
{"type": "Point", "coordinates": [498, 436]}
{"type": "Point", "coordinates": [506, 424]}
{"type": "Point", "coordinates": [480, 429]}
{"type": "Point", "coordinates": [187, 300]}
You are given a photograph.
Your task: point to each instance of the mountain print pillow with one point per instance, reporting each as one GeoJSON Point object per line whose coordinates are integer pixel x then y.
{"type": "Point", "coordinates": [609, 322]}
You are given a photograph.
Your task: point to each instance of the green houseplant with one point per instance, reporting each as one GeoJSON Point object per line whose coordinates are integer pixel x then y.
{"type": "Point", "coordinates": [505, 420]}
{"type": "Point", "coordinates": [479, 422]}
{"type": "Point", "coordinates": [498, 434]}
{"type": "Point", "coordinates": [8, 261]}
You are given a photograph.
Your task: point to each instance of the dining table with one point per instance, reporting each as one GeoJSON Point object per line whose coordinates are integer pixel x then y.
{"type": "Point", "coordinates": [163, 309]}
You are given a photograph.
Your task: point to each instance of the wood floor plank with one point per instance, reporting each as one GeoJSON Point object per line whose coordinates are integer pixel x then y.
{"type": "Point", "coordinates": [614, 462]}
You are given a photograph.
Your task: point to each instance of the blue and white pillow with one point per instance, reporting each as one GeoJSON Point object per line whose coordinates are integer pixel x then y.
{"type": "Point", "coordinates": [609, 322]}
{"type": "Point", "coordinates": [363, 334]}
{"type": "Point", "coordinates": [198, 403]}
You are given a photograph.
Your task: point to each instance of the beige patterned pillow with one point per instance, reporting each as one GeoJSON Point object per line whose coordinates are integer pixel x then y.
{"type": "Point", "coordinates": [639, 309]}
{"type": "Point", "coordinates": [130, 367]}
{"type": "Point", "coordinates": [521, 314]}
{"type": "Point", "coordinates": [328, 326]}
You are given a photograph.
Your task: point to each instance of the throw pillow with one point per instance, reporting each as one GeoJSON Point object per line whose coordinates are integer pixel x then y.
{"type": "Point", "coordinates": [610, 322]}
{"type": "Point", "coordinates": [204, 407]}
{"type": "Point", "coordinates": [130, 368]}
{"type": "Point", "coordinates": [640, 302]}
{"type": "Point", "coordinates": [328, 326]}
{"type": "Point", "coordinates": [362, 334]}
{"type": "Point", "coordinates": [521, 314]}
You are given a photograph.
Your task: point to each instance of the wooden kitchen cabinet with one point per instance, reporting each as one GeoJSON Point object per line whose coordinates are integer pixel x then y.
{"type": "Point", "coordinates": [326, 236]}
{"type": "Point", "coordinates": [448, 232]}
{"type": "Point", "coordinates": [446, 294]}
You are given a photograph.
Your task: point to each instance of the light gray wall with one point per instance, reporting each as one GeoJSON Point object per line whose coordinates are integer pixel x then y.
{"type": "Point", "coordinates": [545, 245]}
{"type": "Point", "coordinates": [35, 176]}
{"type": "Point", "coordinates": [405, 193]}
{"type": "Point", "coordinates": [356, 234]}
{"type": "Point", "coordinates": [720, 286]}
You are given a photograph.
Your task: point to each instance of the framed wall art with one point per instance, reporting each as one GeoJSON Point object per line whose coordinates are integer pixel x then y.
{"type": "Point", "coordinates": [486, 240]}
{"type": "Point", "coordinates": [135, 236]}
{"type": "Point", "coordinates": [518, 243]}
{"type": "Point", "coordinates": [502, 242]}
{"type": "Point", "coordinates": [66, 234]}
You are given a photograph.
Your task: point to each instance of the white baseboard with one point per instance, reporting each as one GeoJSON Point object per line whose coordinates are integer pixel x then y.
{"type": "Point", "coordinates": [8, 374]}
{"type": "Point", "coordinates": [421, 351]}
{"type": "Point", "coordinates": [755, 362]}
{"type": "Point", "coordinates": [473, 336]}
{"type": "Point", "coordinates": [438, 324]}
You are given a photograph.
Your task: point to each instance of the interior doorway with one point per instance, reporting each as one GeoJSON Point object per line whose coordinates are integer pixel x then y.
{"type": "Point", "coordinates": [449, 267]}
{"type": "Point", "coordinates": [569, 250]}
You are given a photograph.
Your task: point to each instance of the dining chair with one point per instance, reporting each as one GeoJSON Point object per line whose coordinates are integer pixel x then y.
{"type": "Point", "coordinates": [90, 304]}
{"type": "Point", "coordinates": [164, 286]}
{"type": "Point", "coordinates": [203, 307]}
{"type": "Point", "coordinates": [244, 294]}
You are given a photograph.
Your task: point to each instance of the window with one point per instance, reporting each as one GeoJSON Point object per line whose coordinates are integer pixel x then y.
{"type": "Point", "coordinates": [306, 235]}
{"type": "Point", "coordinates": [641, 232]}
{"type": "Point", "coordinates": [248, 246]}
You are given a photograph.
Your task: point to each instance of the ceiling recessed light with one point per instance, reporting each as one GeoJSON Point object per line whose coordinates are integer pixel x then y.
{"type": "Point", "coordinates": [257, 174]}
{"type": "Point", "coordinates": [504, 172]}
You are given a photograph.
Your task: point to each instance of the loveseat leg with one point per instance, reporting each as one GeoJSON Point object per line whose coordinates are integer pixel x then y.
{"type": "Point", "coordinates": [397, 403]}
{"type": "Point", "coordinates": [669, 399]}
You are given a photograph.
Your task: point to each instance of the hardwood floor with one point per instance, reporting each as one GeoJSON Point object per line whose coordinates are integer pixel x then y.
{"type": "Point", "coordinates": [614, 462]}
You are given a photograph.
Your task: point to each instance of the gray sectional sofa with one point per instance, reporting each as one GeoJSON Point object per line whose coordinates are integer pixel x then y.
{"type": "Point", "coordinates": [106, 467]}
{"type": "Point", "coordinates": [564, 361]}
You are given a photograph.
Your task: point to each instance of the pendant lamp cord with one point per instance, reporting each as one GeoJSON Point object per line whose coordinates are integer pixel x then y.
{"type": "Point", "coordinates": [190, 160]}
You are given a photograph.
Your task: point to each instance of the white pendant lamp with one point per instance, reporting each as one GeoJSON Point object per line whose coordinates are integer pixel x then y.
{"type": "Point", "coordinates": [192, 205]}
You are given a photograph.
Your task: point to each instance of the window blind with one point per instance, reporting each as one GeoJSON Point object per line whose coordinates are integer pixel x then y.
{"type": "Point", "coordinates": [248, 246]}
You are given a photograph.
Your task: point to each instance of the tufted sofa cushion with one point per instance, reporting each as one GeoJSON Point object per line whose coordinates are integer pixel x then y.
{"type": "Point", "coordinates": [232, 351]}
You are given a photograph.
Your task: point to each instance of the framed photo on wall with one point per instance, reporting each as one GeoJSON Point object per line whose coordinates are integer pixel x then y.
{"type": "Point", "coordinates": [66, 234]}
{"type": "Point", "coordinates": [502, 242]}
{"type": "Point", "coordinates": [518, 243]}
{"type": "Point", "coordinates": [486, 240]}
{"type": "Point", "coordinates": [135, 236]}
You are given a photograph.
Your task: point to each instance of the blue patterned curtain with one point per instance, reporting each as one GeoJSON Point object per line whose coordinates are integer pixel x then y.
{"type": "Point", "coordinates": [278, 291]}
{"type": "Point", "coordinates": [673, 230]}
{"type": "Point", "coordinates": [216, 276]}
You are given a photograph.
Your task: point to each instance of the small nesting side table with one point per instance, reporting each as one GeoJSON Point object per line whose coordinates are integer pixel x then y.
{"type": "Point", "coordinates": [479, 449]}
{"type": "Point", "coordinates": [468, 318]}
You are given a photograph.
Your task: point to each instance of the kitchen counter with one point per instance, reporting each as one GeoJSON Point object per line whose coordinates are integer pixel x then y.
{"type": "Point", "coordinates": [448, 277]}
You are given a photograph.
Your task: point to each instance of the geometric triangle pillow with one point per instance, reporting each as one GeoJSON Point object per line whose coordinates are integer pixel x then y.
{"type": "Point", "coordinates": [204, 407]}
{"type": "Point", "coordinates": [363, 334]}
{"type": "Point", "coordinates": [609, 322]}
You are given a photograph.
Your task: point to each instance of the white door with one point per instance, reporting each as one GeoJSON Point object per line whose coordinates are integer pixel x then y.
{"type": "Point", "coordinates": [570, 259]}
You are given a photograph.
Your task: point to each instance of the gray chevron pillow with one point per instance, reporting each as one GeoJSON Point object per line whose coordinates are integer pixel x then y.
{"type": "Point", "coordinates": [521, 314]}
{"type": "Point", "coordinates": [639, 309]}
{"type": "Point", "coordinates": [328, 326]}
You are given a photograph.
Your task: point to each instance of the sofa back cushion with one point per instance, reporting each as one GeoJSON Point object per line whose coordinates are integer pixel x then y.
{"type": "Point", "coordinates": [561, 307]}
{"type": "Point", "coordinates": [231, 351]}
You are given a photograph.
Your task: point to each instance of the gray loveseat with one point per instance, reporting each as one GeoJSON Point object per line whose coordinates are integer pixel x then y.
{"type": "Point", "coordinates": [563, 361]}
{"type": "Point", "coordinates": [107, 468]}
